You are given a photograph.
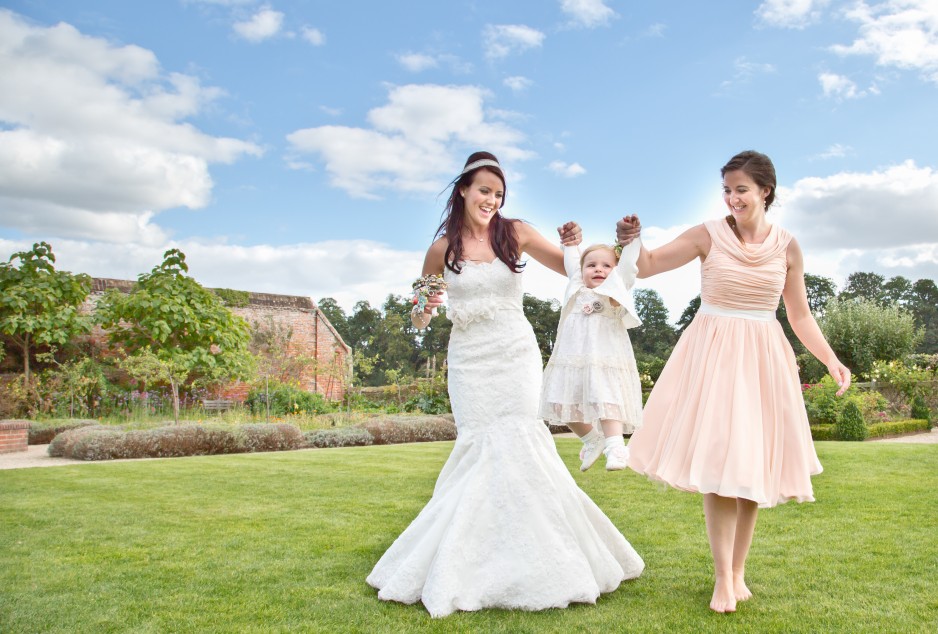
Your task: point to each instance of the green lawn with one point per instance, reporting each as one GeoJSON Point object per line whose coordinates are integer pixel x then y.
{"type": "Point", "coordinates": [283, 542]}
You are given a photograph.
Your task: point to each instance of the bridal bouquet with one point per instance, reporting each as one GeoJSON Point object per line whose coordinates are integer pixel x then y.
{"type": "Point", "coordinates": [426, 287]}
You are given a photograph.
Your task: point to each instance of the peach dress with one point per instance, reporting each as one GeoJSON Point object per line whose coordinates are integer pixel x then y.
{"type": "Point", "coordinates": [726, 415]}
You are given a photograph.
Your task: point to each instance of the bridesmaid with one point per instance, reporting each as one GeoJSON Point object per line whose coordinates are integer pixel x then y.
{"type": "Point", "coordinates": [726, 417]}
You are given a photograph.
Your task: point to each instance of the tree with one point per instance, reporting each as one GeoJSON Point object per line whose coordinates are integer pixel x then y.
{"type": "Point", "coordinates": [655, 336]}
{"type": "Point", "coordinates": [544, 316]}
{"type": "Point", "coordinates": [187, 327]}
{"type": "Point", "coordinates": [923, 304]}
{"type": "Point", "coordinates": [898, 290]}
{"type": "Point", "coordinates": [39, 306]}
{"type": "Point", "coordinates": [688, 315]}
{"type": "Point", "coordinates": [820, 290]}
{"type": "Point", "coordinates": [861, 285]}
{"type": "Point", "coordinates": [862, 331]}
{"type": "Point", "coordinates": [336, 316]}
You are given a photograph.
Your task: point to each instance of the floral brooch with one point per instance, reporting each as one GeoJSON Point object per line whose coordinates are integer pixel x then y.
{"type": "Point", "coordinates": [594, 306]}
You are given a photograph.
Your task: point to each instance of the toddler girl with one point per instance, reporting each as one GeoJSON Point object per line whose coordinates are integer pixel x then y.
{"type": "Point", "coordinates": [591, 383]}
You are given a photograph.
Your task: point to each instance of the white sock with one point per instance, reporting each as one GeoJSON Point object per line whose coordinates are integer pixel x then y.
{"type": "Point", "coordinates": [613, 441]}
{"type": "Point", "coordinates": [591, 436]}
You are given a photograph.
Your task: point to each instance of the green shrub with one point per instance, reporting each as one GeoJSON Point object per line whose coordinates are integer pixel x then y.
{"type": "Point", "coordinates": [42, 433]}
{"type": "Point", "coordinates": [850, 425]}
{"type": "Point", "coordinates": [275, 437]}
{"type": "Point", "coordinates": [920, 408]}
{"type": "Point", "coordinates": [286, 400]}
{"type": "Point", "coordinates": [108, 443]}
{"type": "Point", "coordinates": [822, 432]}
{"type": "Point", "coordinates": [881, 430]}
{"type": "Point", "coordinates": [824, 407]}
{"type": "Point", "coordinates": [339, 437]}
{"type": "Point", "coordinates": [419, 429]}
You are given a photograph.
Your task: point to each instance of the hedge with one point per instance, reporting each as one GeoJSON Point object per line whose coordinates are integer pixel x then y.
{"type": "Point", "coordinates": [876, 430]}
{"type": "Point", "coordinates": [41, 433]}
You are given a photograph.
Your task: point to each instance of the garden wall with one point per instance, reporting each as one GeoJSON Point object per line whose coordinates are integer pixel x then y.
{"type": "Point", "coordinates": [313, 336]}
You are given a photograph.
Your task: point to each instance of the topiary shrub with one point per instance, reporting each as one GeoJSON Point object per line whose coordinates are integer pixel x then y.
{"type": "Point", "coordinates": [850, 425]}
{"type": "Point", "coordinates": [403, 430]}
{"type": "Point", "coordinates": [920, 409]}
{"type": "Point", "coordinates": [42, 433]}
{"type": "Point", "coordinates": [108, 443]}
{"type": "Point", "coordinates": [276, 437]}
{"type": "Point", "coordinates": [338, 437]}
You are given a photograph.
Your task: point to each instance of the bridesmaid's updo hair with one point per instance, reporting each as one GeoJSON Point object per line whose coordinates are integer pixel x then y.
{"type": "Point", "coordinates": [758, 167]}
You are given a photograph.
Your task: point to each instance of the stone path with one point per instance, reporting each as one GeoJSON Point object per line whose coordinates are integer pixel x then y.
{"type": "Point", "coordinates": [36, 455]}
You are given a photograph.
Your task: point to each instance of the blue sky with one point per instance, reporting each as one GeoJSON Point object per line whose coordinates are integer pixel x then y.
{"type": "Point", "coordinates": [303, 147]}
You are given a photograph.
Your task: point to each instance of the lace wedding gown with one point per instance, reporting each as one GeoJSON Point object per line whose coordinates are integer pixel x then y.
{"type": "Point", "coordinates": [507, 526]}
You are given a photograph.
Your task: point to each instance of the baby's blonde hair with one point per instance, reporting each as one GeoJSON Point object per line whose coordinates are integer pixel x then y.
{"type": "Point", "coordinates": [597, 247]}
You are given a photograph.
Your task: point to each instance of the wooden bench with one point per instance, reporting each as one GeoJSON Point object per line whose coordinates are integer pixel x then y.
{"type": "Point", "coordinates": [216, 405]}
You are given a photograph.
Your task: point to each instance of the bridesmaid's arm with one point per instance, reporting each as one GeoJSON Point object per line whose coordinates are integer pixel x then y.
{"type": "Point", "coordinates": [693, 243]}
{"type": "Point", "coordinates": [803, 322]}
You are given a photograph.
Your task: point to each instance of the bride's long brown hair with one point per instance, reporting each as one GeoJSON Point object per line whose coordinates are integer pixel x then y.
{"type": "Point", "coordinates": [501, 231]}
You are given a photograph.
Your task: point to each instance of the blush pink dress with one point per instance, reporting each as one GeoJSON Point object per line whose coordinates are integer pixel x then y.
{"type": "Point", "coordinates": [726, 415]}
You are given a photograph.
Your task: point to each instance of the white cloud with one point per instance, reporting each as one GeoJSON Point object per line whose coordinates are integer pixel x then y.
{"type": "Point", "coordinates": [263, 25]}
{"type": "Point", "coordinates": [93, 140]}
{"type": "Point", "coordinates": [500, 40]}
{"type": "Point", "coordinates": [744, 70]}
{"type": "Point", "coordinates": [313, 36]}
{"type": "Point", "coordinates": [839, 87]}
{"type": "Point", "coordinates": [888, 209]}
{"type": "Point", "coordinates": [346, 270]}
{"type": "Point", "coordinates": [587, 13]}
{"type": "Point", "coordinates": [790, 14]}
{"type": "Point", "coordinates": [417, 62]}
{"type": "Point", "coordinates": [899, 33]}
{"type": "Point", "coordinates": [518, 83]}
{"type": "Point", "coordinates": [416, 142]}
{"type": "Point", "coordinates": [836, 150]}
{"type": "Point", "coordinates": [567, 170]}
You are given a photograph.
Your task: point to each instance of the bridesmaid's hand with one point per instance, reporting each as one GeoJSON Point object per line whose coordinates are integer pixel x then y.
{"type": "Point", "coordinates": [570, 234]}
{"type": "Point", "coordinates": [841, 376]}
{"type": "Point", "coordinates": [628, 229]}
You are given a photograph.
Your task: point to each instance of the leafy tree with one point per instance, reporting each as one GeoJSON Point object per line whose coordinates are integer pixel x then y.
{"type": "Point", "coordinates": [862, 331]}
{"type": "Point", "coordinates": [820, 290]}
{"type": "Point", "coordinates": [544, 316]}
{"type": "Point", "coordinates": [688, 315]}
{"type": "Point", "coordinates": [39, 306]}
{"type": "Point", "coordinates": [655, 336]}
{"type": "Point", "coordinates": [336, 316]}
{"type": "Point", "coordinates": [188, 329]}
{"type": "Point", "coordinates": [861, 285]}
{"type": "Point", "coordinates": [923, 304]}
{"type": "Point", "coordinates": [362, 324]}
{"type": "Point", "coordinates": [898, 290]}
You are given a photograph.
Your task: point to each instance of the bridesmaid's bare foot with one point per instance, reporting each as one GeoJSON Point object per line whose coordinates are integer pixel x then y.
{"type": "Point", "coordinates": [740, 590]}
{"type": "Point", "coordinates": [724, 596]}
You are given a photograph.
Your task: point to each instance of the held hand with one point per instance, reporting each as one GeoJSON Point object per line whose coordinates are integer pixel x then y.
{"type": "Point", "coordinates": [570, 234]}
{"type": "Point", "coordinates": [628, 229]}
{"type": "Point", "coordinates": [841, 376]}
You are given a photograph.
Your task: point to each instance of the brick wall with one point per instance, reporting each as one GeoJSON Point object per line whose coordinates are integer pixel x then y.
{"type": "Point", "coordinates": [14, 436]}
{"type": "Point", "coordinates": [312, 336]}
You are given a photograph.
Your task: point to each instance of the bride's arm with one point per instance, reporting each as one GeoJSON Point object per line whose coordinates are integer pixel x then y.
{"type": "Point", "coordinates": [540, 248]}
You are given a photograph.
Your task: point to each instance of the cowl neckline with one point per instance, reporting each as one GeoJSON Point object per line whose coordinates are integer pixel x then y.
{"type": "Point", "coordinates": [752, 254]}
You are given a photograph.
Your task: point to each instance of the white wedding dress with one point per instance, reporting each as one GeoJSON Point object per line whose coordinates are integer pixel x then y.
{"type": "Point", "coordinates": [507, 526]}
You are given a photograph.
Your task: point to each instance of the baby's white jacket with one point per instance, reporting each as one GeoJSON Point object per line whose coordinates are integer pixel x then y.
{"type": "Point", "coordinates": [618, 285]}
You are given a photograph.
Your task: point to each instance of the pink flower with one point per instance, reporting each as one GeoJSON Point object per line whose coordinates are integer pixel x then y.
{"type": "Point", "coordinates": [587, 309]}
{"type": "Point", "coordinates": [214, 349]}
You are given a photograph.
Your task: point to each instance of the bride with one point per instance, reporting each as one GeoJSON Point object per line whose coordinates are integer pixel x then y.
{"type": "Point", "coordinates": [507, 526]}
